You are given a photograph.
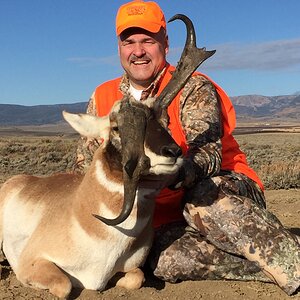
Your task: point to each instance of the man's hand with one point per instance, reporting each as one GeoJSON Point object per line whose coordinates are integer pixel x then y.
{"type": "Point", "coordinates": [186, 176]}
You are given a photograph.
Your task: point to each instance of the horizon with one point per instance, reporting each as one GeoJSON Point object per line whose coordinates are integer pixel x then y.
{"type": "Point", "coordinates": [57, 52]}
{"type": "Point", "coordinates": [85, 102]}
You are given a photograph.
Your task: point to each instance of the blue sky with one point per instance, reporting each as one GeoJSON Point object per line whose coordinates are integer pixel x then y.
{"type": "Point", "coordinates": [58, 51]}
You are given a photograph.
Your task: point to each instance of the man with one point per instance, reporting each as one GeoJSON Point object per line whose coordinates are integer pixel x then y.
{"type": "Point", "coordinates": [226, 232]}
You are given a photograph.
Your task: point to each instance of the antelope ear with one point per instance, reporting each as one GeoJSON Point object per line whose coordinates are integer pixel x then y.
{"type": "Point", "coordinates": [88, 125]}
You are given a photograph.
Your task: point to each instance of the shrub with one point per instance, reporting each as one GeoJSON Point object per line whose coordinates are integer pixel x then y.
{"type": "Point", "coordinates": [275, 157]}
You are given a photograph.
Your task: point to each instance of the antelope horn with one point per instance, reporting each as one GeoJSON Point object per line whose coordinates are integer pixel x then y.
{"type": "Point", "coordinates": [132, 121]}
{"type": "Point", "coordinates": [191, 58]}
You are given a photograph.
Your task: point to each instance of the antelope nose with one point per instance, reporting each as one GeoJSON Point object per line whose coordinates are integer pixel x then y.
{"type": "Point", "coordinates": [171, 151]}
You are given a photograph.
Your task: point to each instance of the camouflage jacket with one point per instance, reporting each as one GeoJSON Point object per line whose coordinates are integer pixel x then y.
{"type": "Point", "coordinates": [200, 116]}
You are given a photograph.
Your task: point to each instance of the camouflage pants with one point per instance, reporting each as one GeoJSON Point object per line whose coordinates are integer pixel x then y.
{"type": "Point", "coordinates": [229, 235]}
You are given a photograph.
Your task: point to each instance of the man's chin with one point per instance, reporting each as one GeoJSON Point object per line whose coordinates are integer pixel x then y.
{"type": "Point", "coordinates": [142, 81]}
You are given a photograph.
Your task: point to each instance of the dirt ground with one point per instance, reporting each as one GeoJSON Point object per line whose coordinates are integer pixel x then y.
{"type": "Point", "coordinates": [285, 204]}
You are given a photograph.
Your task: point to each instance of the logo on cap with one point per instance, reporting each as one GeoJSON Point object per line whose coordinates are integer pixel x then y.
{"type": "Point", "coordinates": [136, 10]}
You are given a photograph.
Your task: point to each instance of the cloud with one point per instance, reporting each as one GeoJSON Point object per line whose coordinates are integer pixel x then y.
{"type": "Point", "coordinates": [266, 56]}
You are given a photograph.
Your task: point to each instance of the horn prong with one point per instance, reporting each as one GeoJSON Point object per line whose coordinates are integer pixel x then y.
{"type": "Point", "coordinates": [191, 58]}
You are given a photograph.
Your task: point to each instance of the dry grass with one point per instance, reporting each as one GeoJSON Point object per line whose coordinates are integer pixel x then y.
{"type": "Point", "coordinates": [34, 155]}
{"type": "Point", "coordinates": [274, 156]}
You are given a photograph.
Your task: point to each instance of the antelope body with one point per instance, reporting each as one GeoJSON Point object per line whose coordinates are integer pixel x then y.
{"type": "Point", "coordinates": [80, 230]}
{"type": "Point", "coordinates": [50, 236]}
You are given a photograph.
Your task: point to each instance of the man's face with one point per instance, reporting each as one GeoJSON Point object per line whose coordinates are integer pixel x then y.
{"type": "Point", "coordinates": [142, 55]}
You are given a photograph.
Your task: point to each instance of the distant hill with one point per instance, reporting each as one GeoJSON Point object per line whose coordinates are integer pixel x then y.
{"type": "Point", "coordinates": [37, 115]}
{"type": "Point", "coordinates": [256, 106]}
{"type": "Point", "coordinates": [250, 106]}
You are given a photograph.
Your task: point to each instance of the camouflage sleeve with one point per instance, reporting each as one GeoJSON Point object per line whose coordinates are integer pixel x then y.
{"type": "Point", "coordinates": [86, 146]}
{"type": "Point", "coordinates": [200, 115]}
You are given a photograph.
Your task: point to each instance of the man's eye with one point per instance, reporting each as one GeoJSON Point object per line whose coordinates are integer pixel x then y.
{"type": "Point", "coordinates": [126, 42]}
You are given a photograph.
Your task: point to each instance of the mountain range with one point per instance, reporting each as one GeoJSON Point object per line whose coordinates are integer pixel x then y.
{"type": "Point", "coordinates": [247, 107]}
{"type": "Point", "coordinates": [18, 115]}
{"type": "Point", "coordinates": [275, 107]}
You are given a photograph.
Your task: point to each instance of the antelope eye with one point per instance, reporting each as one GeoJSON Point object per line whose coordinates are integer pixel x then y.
{"type": "Point", "coordinates": [115, 128]}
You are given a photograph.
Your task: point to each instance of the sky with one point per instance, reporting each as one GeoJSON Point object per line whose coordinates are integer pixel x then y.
{"type": "Point", "coordinates": [58, 51]}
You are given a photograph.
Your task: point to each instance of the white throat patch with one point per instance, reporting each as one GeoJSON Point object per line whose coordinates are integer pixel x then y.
{"type": "Point", "coordinates": [111, 186]}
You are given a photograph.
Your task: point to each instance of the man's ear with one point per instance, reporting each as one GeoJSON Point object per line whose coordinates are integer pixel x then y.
{"type": "Point", "coordinates": [119, 42]}
{"type": "Point", "coordinates": [167, 44]}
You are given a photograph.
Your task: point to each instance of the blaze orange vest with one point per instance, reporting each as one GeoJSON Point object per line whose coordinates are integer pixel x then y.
{"type": "Point", "coordinates": [168, 203]}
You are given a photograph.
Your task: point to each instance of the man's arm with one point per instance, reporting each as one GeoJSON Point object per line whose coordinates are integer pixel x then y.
{"type": "Point", "coordinates": [200, 115]}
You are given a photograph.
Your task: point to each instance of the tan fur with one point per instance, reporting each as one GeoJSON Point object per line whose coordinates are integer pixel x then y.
{"type": "Point", "coordinates": [132, 280]}
{"type": "Point", "coordinates": [52, 240]}
{"type": "Point", "coordinates": [63, 199]}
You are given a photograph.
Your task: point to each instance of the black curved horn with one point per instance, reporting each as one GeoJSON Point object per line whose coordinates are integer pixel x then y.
{"type": "Point", "coordinates": [191, 58]}
{"type": "Point", "coordinates": [132, 120]}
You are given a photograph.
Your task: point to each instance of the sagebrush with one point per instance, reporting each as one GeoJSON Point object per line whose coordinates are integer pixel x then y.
{"type": "Point", "coordinates": [274, 156]}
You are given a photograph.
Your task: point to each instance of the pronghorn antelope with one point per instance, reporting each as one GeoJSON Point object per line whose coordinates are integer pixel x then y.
{"type": "Point", "coordinates": [80, 230]}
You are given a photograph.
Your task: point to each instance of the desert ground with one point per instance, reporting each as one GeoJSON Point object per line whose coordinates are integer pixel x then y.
{"type": "Point", "coordinates": [273, 155]}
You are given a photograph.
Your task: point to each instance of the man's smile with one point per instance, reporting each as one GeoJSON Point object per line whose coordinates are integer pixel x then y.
{"type": "Point", "coordinates": [140, 62]}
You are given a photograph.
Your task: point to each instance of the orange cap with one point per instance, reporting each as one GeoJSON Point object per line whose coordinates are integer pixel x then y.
{"type": "Point", "coordinates": [146, 15]}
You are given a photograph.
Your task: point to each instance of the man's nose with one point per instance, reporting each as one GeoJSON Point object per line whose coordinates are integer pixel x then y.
{"type": "Point", "coordinates": [139, 50]}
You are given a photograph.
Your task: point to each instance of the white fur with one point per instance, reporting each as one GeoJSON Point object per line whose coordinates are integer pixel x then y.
{"type": "Point", "coordinates": [111, 186]}
{"type": "Point", "coordinates": [53, 227]}
{"type": "Point", "coordinates": [18, 227]}
{"type": "Point", "coordinates": [163, 165]}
